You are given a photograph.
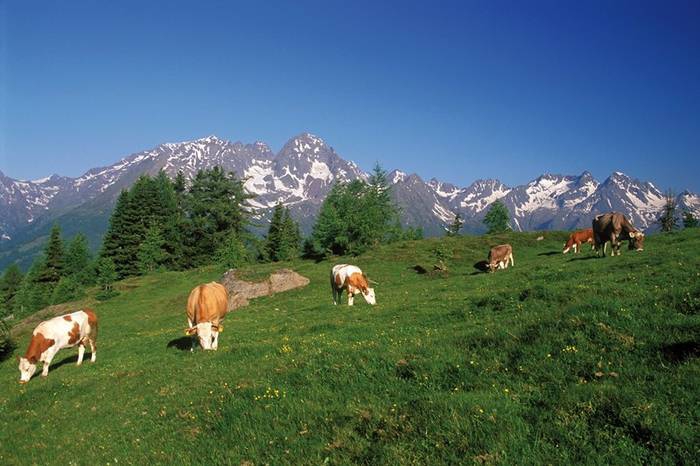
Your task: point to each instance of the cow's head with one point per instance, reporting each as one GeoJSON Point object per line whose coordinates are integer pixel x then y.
{"type": "Point", "coordinates": [205, 333]}
{"type": "Point", "coordinates": [567, 247]}
{"type": "Point", "coordinates": [369, 296]}
{"type": "Point", "coordinates": [26, 370]}
{"type": "Point", "coordinates": [637, 240]}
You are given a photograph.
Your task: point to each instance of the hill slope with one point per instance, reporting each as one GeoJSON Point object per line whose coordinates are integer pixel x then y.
{"type": "Point", "coordinates": [560, 359]}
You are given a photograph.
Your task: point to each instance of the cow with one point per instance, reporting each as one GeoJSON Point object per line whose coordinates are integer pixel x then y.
{"type": "Point", "coordinates": [206, 308]}
{"type": "Point", "coordinates": [350, 278]}
{"type": "Point", "coordinates": [613, 227]}
{"type": "Point", "coordinates": [577, 238]}
{"type": "Point", "coordinates": [54, 334]}
{"type": "Point", "coordinates": [499, 257]}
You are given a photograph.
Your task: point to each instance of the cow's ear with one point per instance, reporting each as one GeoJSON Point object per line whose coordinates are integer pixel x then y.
{"type": "Point", "coordinates": [190, 331]}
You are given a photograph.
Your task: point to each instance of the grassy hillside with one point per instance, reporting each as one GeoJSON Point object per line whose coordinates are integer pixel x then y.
{"type": "Point", "coordinates": [561, 359]}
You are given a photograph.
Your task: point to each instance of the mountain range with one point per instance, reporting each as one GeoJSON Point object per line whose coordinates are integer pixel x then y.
{"type": "Point", "coordinates": [300, 175]}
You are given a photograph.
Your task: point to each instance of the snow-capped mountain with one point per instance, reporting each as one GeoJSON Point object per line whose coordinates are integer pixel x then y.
{"type": "Point", "coordinates": [303, 171]}
{"type": "Point", "coordinates": [301, 174]}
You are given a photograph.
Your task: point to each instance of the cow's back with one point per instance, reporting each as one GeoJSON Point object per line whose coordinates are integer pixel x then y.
{"type": "Point", "coordinates": [207, 303]}
{"type": "Point", "coordinates": [341, 272]}
{"type": "Point", "coordinates": [500, 252]}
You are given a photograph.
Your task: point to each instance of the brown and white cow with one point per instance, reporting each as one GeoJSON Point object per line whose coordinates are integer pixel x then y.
{"type": "Point", "coordinates": [614, 227]}
{"type": "Point", "coordinates": [206, 308]}
{"type": "Point", "coordinates": [350, 278]}
{"type": "Point", "coordinates": [60, 332]}
{"type": "Point", "coordinates": [499, 257]}
{"type": "Point", "coordinates": [577, 238]}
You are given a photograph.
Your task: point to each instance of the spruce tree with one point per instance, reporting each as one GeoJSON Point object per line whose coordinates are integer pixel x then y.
{"type": "Point", "coordinates": [291, 237]}
{"type": "Point", "coordinates": [116, 245]}
{"type": "Point", "coordinates": [216, 208]}
{"type": "Point", "coordinates": [274, 234]}
{"type": "Point", "coordinates": [106, 276]}
{"type": "Point", "coordinates": [378, 210]}
{"type": "Point", "coordinates": [33, 294]}
{"type": "Point", "coordinates": [689, 220]}
{"type": "Point", "coordinates": [283, 238]}
{"type": "Point", "coordinates": [455, 226]}
{"type": "Point", "coordinates": [497, 218]}
{"type": "Point", "coordinates": [668, 219]}
{"type": "Point", "coordinates": [232, 252]}
{"type": "Point", "coordinates": [329, 234]}
{"type": "Point", "coordinates": [10, 284]}
{"type": "Point", "coordinates": [54, 258]}
{"type": "Point", "coordinates": [79, 261]}
{"type": "Point", "coordinates": [151, 254]}
{"type": "Point", "coordinates": [67, 289]}
{"type": "Point", "coordinates": [169, 220]}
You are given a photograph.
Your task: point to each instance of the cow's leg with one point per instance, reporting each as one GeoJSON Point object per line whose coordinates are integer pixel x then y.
{"type": "Point", "coordinates": [93, 349]}
{"type": "Point", "coordinates": [193, 338]}
{"type": "Point", "coordinates": [614, 244]}
{"type": "Point", "coordinates": [351, 298]}
{"type": "Point", "coordinates": [512, 260]}
{"type": "Point", "coordinates": [336, 295]}
{"type": "Point", "coordinates": [81, 353]}
{"type": "Point", "coordinates": [50, 353]}
{"type": "Point", "coordinates": [333, 289]}
{"type": "Point", "coordinates": [215, 340]}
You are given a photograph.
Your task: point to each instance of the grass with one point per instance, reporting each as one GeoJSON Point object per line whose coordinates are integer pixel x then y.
{"type": "Point", "coordinates": [559, 360]}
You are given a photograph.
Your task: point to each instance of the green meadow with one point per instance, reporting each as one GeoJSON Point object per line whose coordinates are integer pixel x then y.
{"type": "Point", "coordinates": [558, 360]}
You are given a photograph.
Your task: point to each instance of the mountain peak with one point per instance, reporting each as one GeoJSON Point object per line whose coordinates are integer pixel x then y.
{"type": "Point", "coordinates": [212, 138]}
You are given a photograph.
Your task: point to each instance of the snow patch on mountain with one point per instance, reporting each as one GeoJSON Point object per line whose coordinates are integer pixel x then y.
{"type": "Point", "coordinates": [304, 170]}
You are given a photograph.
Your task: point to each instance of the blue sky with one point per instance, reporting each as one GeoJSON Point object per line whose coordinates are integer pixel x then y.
{"type": "Point", "coordinates": [453, 90]}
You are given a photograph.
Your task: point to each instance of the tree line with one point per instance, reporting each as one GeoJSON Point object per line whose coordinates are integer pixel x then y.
{"type": "Point", "coordinates": [161, 223]}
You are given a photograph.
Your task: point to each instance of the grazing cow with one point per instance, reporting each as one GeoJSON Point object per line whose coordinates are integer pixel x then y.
{"type": "Point", "coordinates": [51, 335]}
{"type": "Point", "coordinates": [499, 257]}
{"type": "Point", "coordinates": [206, 308]}
{"type": "Point", "coordinates": [613, 227]}
{"type": "Point", "coordinates": [350, 278]}
{"type": "Point", "coordinates": [577, 238]}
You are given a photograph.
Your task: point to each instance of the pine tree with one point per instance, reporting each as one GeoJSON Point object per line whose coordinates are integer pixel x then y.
{"type": "Point", "coordinates": [170, 221]}
{"type": "Point", "coordinates": [67, 289]}
{"type": "Point", "coordinates": [330, 235]}
{"type": "Point", "coordinates": [232, 252]}
{"type": "Point", "coordinates": [354, 217]}
{"type": "Point", "coordinates": [216, 208]}
{"type": "Point", "coordinates": [283, 237]}
{"type": "Point", "coordinates": [79, 261]}
{"type": "Point", "coordinates": [32, 294]}
{"type": "Point", "coordinates": [455, 226]}
{"type": "Point", "coordinates": [291, 237]}
{"type": "Point", "coordinates": [497, 218]}
{"type": "Point", "coordinates": [151, 254]}
{"type": "Point", "coordinates": [10, 284]}
{"type": "Point", "coordinates": [54, 258]}
{"type": "Point", "coordinates": [106, 276]}
{"type": "Point", "coordinates": [689, 220]}
{"type": "Point", "coordinates": [378, 210]}
{"type": "Point", "coordinates": [274, 234]}
{"type": "Point", "coordinates": [668, 219]}
{"type": "Point", "coordinates": [116, 245]}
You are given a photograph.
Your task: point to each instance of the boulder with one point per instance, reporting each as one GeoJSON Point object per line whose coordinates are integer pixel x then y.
{"type": "Point", "coordinates": [241, 291]}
